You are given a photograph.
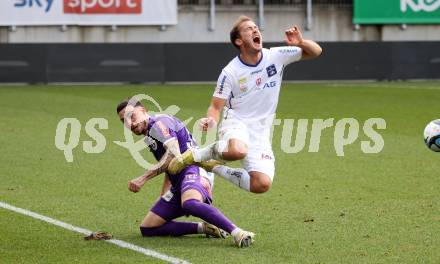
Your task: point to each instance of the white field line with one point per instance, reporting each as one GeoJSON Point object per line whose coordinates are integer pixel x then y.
{"type": "Point", "coordinates": [373, 85]}
{"type": "Point", "coordinates": [117, 242]}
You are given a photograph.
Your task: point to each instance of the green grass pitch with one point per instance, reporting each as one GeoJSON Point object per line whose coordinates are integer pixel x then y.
{"type": "Point", "coordinates": [359, 208]}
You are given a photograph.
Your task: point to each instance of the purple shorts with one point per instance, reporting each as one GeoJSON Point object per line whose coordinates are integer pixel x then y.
{"type": "Point", "coordinates": [169, 206]}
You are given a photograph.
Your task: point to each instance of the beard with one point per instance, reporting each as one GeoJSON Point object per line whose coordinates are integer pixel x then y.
{"type": "Point", "coordinates": [139, 129]}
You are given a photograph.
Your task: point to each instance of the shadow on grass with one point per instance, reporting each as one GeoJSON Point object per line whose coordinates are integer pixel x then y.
{"type": "Point", "coordinates": [183, 242]}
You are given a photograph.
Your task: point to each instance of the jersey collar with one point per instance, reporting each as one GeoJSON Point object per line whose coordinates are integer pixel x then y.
{"type": "Point", "coordinates": [151, 122]}
{"type": "Point", "coordinates": [251, 65]}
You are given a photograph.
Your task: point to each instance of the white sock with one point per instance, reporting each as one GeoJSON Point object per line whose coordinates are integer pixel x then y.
{"type": "Point", "coordinates": [237, 176]}
{"type": "Point", "coordinates": [236, 231]}
{"type": "Point", "coordinates": [212, 151]}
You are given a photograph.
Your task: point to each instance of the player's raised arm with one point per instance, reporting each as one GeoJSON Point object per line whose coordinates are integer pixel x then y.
{"type": "Point", "coordinates": [310, 49]}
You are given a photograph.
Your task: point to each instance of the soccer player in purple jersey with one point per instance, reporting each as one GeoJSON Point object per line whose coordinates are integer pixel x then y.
{"type": "Point", "coordinates": [190, 192]}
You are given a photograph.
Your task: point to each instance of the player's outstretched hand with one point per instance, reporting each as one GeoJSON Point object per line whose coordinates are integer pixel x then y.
{"type": "Point", "coordinates": [293, 36]}
{"type": "Point", "coordinates": [207, 123]}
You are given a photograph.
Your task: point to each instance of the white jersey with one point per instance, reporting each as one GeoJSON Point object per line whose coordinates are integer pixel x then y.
{"type": "Point", "coordinates": [252, 91]}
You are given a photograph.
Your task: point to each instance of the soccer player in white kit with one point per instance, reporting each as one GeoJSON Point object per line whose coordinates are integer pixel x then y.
{"type": "Point", "coordinates": [247, 91]}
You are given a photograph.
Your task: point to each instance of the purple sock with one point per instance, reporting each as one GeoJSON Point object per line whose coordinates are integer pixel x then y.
{"type": "Point", "coordinates": [208, 213]}
{"type": "Point", "coordinates": [171, 228]}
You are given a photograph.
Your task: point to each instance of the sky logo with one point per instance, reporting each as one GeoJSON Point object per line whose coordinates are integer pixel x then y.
{"type": "Point", "coordinates": [46, 4]}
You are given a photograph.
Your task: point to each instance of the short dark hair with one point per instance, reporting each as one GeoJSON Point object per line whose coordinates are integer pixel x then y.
{"type": "Point", "coordinates": [122, 105]}
{"type": "Point", "coordinates": [235, 32]}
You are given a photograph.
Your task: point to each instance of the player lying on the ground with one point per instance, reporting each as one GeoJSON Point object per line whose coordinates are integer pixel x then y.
{"type": "Point", "coordinates": [247, 92]}
{"type": "Point", "coordinates": [190, 192]}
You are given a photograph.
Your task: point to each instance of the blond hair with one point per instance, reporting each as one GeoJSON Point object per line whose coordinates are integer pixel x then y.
{"type": "Point", "coordinates": [235, 32]}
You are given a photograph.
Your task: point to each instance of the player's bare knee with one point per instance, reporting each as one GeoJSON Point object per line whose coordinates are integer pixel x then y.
{"type": "Point", "coordinates": [262, 187]}
{"type": "Point", "coordinates": [261, 184]}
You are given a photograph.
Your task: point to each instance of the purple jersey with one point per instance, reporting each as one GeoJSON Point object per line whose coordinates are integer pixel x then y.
{"type": "Point", "coordinates": [162, 128]}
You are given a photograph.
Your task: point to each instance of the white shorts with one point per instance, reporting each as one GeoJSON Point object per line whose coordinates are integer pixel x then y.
{"type": "Point", "coordinates": [232, 128]}
{"type": "Point", "coordinates": [208, 175]}
{"type": "Point", "coordinates": [260, 155]}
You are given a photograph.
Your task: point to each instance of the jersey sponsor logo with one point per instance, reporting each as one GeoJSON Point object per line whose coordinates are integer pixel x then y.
{"type": "Point", "coordinates": [163, 129]}
{"type": "Point", "coordinates": [270, 84]}
{"type": "Point", "coordinates": [191, 177]}
{"type": "Point", "coordinates": [258, 82]}
{"type": "Point", "coordinates": [271, 70]}
{"type": "Point", "coordinates": [242, 82]}
{"type": "Point", "coordinates": [103, 6]}
{"type": "Point", "coordinates": [222, 85]}
{"type": "Point", "coordinates": [289, 51]}
{"type": "Point", "coordinates": [266, 156]}
{"type": "Point", "coordinates": [257, 71]}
